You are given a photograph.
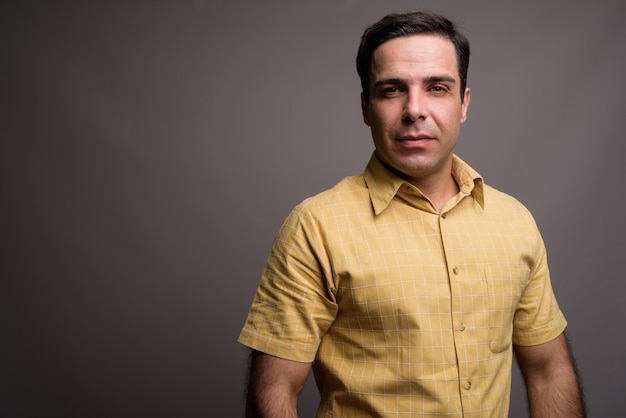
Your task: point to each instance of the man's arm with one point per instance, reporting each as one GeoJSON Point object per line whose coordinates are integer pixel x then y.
{"type": "Point", "coordinates": [274, 385]}
{"type": "Point", "coordinates": [552, 383]}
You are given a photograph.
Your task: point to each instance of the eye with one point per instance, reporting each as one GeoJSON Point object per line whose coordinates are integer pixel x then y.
{"type": "Point", "coordinates": [439, 88]}
{"type": "Point", "coordinates": [390, 91]}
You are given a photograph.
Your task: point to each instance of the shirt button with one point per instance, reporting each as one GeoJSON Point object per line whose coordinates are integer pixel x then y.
{"type": "Point", "coordinates": [462, 327]}
{"type": "Point", "coordinates": [455, 270]}
{"type": "Point", "coordinates": [443, 215]}
{"type": "Point", "coordinates": [468, 385]}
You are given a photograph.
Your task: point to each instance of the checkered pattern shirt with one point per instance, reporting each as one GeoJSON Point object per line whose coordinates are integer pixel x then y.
{"type": "Point", "coordinates": [404, 310]}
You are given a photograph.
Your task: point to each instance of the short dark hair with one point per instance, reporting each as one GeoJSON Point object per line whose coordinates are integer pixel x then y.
{"type": "Point", "coordinates": [405, 24]}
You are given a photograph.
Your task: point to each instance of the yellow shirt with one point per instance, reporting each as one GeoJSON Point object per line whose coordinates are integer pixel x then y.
{"type": "Point", "coordinates": [402, 309]}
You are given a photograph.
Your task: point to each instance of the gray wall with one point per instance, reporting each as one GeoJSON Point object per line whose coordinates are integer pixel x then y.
{"type": "Point", "coordinates": [150, 150]}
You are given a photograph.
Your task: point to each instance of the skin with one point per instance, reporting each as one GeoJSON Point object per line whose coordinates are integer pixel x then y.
{"type": "Point", "coordinates": [274, 386]}
{"type": "Point", "coordinates": [416, 110]}
{"type": "Point", "coordinates": [551, 379]}
{"type": "Point", "coordinates": [415, 113]}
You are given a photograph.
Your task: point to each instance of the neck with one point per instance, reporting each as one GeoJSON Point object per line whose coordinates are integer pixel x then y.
{"type": "Point", "coordinates": [439, 192]}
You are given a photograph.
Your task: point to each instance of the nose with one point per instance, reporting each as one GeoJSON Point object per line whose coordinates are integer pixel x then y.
{"type": "Point", "coordinates": [414, 107]}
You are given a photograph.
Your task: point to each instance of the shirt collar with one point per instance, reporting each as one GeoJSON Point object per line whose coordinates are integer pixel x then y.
{"type": "Point", "coordinates": [383, 185]}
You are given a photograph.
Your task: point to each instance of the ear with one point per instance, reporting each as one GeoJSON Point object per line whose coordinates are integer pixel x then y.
{"type": "Point", "coordinates": [364, 108]}
{"type": "Point", "coordinates": [465, 105]}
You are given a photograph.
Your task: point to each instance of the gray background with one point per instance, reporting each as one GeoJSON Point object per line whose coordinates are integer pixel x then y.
{"type": "Point", "coordinates": [151, 149]}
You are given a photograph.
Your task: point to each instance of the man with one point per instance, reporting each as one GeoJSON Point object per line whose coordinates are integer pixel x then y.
{"type": "Point", "coordinates": [407, 288]}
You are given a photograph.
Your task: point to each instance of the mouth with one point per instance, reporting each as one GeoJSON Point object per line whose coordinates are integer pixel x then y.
{"type": "Point", "coordinates": [415, 140]}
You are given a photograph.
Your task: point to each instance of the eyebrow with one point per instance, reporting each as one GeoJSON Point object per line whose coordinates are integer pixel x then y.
{"type": "Point", "coordinates": [384, 81]}
{"type": "Point", "coordinates": [441, 79]}
{"type": "Point", "coordinates": [430, 80]}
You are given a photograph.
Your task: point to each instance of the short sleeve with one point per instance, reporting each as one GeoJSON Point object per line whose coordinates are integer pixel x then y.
{"type": "Point", "coordinates": [294, 304]}
{"type": "Point", "coordinates": [538, 318]}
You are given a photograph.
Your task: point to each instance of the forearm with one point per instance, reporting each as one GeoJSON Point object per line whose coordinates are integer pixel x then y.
{"type": "Point", "coordinates": [551, 378]}
{"type": "Point", "coordinates": [557, 396]}
{"type": "Point", "coordinates": [274, 386]}
{"type": "Point", "coordinates": [271, 402]}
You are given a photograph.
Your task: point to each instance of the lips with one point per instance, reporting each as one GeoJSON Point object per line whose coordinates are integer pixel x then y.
{"type": "Point", "coordinates": [418, 137]}
{"type": "Point", "coordinates": [415, 141]}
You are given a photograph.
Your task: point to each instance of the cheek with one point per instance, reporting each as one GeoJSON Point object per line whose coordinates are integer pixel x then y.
{"type": "Point", "coordinates": [382, 116]}
{"type": "Point", "coordinates": [450, 118]}
{"type": "Point", "coordinates": [381, 128]}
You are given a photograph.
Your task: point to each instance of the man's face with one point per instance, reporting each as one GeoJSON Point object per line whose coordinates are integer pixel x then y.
{"type": "Point", "coordinates": [415, 110]}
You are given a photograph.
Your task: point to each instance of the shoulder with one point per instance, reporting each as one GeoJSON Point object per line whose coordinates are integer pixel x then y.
{"type": "Point", "coordinates": [349, 192]}
{"type": "Point", "coordinates": [498, 198]}
{"type": "Point", "coordinates": [315, 217]}
{"type": "Point", "coordinates": [504, 205]}
{"type": "Point", "coordinates": [331, 209]}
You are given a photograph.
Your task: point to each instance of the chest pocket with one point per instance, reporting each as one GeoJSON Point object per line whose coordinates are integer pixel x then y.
{"type": "Point", "coordinates": [505, 286]}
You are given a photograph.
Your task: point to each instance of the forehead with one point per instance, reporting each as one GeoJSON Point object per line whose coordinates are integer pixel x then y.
{"type": "Point", "coordinates": [421, 52]}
